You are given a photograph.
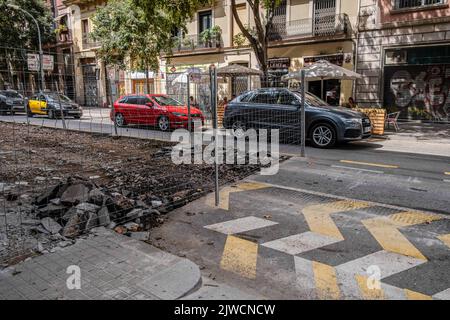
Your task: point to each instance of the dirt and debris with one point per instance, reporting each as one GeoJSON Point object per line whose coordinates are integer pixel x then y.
{"type": "Point", "coordinates": [56, 185]}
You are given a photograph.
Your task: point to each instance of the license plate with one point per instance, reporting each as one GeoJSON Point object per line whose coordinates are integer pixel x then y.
{"type": "Point", "coordinates": [367, 129]}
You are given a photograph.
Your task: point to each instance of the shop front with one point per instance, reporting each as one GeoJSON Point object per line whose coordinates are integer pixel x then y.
{"type": "Point", "coordinates": [417, 82]}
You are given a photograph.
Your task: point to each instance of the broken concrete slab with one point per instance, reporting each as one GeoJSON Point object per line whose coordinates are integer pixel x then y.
{"type": "Point", "coordinates": [51, 225]}
{"type": "Point", "coordinates": [75, 194]}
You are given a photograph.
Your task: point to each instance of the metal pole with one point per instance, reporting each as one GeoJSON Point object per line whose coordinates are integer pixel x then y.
{"type": "Point", "coordinates": [189, 101]}
{"type": "Point", "coordinates": [213, 75]}
{"type": "Point", "coordinates": [41, 53]}
{"type": "Point", "coordinates": [303, 122]}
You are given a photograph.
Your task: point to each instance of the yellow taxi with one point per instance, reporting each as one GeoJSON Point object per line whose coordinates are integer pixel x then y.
{"type": "Point", "coordinates": [53, 105]}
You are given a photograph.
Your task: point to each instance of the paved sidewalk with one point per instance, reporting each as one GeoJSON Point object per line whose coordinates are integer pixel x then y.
{"type": "Point", "coordinates": [112, 267]}
{"type": "Point", "coordinates": [423, 138]}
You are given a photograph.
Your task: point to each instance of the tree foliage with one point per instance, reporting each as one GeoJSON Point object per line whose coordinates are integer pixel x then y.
{"type": "Point", "coordinates": [17, 30]}
{"type": "Point", "coordinates": [263, 12]}
{"type": "Point", "coordinates": [127, 35]}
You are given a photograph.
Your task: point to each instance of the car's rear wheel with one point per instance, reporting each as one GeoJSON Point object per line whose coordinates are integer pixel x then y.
{"type": "Point", "coordinates": [238, 128]}
{"type": "Point", "coordinates": [163, 123]}
{"type": "Point", "coordinates": [119, 119]}
{"type": "Point", "coordinates": [29, 113]}
{"type": "Point", "coordinates": [323, 135]}
{"type": "Point", "coordinates": [77, 117]}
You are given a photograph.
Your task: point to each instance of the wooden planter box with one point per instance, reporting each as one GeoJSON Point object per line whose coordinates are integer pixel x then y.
{"type": "Point", "coordinates": [377, 118]}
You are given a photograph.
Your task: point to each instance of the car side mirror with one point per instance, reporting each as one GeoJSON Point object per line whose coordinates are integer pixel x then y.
{"type": "Point", "coordinates": [149, 104]}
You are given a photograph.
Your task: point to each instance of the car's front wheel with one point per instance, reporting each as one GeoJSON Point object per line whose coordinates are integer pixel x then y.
{"type": "Point", "coordinates": [323, 135]}
{"type": "Point", "coordinates": [238, 128]}
{"type": "Point", "coordinates": [163, 123]}
{"type": "Point", "coordinates": [51, 114]}
{"type": "Point", "coordinates": [119, 120]}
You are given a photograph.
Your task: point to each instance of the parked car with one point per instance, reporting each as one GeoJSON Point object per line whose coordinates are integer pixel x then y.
{"type": "Point", "coordinates": [157, 110]}
{"type": "Point", "coordinates": [280, 108]}
{"type": "Point", "coordinates": [11, 101]}
{"type": "Point", "coordinates": [53, 105]}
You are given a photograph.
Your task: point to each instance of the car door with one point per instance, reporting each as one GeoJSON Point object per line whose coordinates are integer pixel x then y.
{"type": "Point", "coordinates": [32, 103]}
{"type": "Point", "coordinates": [140, 110]}
{"type": "Point", "coordinates": [256, 112]}
{"type": "Point", "coordinates": [128, 109]}
{"type": "Point", "coordinates": [287, 112]}
{"type": "Point", "coordinates": [42, 104]}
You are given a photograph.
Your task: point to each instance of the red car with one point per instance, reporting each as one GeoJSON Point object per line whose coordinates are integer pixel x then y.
{"type": "Point", "coordinates": [156, 110]}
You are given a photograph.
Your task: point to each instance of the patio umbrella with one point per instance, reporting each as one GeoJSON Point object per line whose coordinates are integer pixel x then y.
{"type": "Point", "coordinates": [232, 70]}
{"type": "Point", "coordinates": [323, 70]}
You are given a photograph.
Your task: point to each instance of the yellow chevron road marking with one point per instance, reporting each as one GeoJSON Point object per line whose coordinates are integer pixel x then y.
{"type": "Point", "coordinates": [240, 256]}
{"type": "Point", "coordinates": [412, 295]}
{"type": "Point", "coordinates": [326, 281]}
{"type": "Point", "coordinates": [224, 194]}
{"type": "Point", "coordinates": [445, 238]}
{"type": "Point", "coordinates": [366, 292]}
{"type": "Point", "coordinates": [319, 220]}
{"type": "Point", "coordinates": [385, 231]}
{"type": "Point", "coordinates": [370, 164]}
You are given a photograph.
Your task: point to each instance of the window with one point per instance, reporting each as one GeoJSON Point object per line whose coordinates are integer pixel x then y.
{"type": "Point", "coordinates": [407, 4]}
{"type": "Point", "coordinates": [167, 101]}
{"type": "Point", "coordinates": [85, 27]}
{"type": "Point", "coordinates": [286, 98]}
{"type": "Point", "coordinates": [204, 20]}
{"type": "Point", "coordinates": [265, 97]}
{"type": "Point", "coordinates": [132, 100]}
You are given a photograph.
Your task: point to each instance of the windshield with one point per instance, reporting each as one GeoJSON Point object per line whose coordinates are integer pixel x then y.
{"type": "Point", "coordinates": [54, 97]}
{"type": "Point", "coordinates": [312, 100]}
{"type": "Point", "coordinates": [167, 101]}
{"type": "Point", "coordinates": [10, 94]}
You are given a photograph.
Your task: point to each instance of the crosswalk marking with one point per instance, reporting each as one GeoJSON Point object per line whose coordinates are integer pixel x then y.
{"type": "Point", "coordinates": [304, 275]}
{"type": "Point", "coordinates": [385, 231]}
{"type": "Point", "coordinates": [319, 220]}
{"type": "Point", "coordinates": [299, 243]}
{"type": "Point", "coordinates": [445, 238]}
{"type": "Point", "coordinates": [240, 257]}
{"type": "Point", "coordinates": [443, 295]}
{"type": "Point", "coordinates": [326, 282]}
{"type": "Point", "coordinates": [240, 225]}
{"type": "Point", "coordinates": [224, 194]}
{"type": "Point", "coordinates": [368, 293]}
{"type": "Point", "coordinates": [412, 295]}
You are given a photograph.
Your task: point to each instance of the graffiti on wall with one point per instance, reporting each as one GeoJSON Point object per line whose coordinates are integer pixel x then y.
{"type": "Point", "coordinates": [419, 92]}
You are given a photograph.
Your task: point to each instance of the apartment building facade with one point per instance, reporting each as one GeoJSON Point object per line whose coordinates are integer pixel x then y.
{"type": "Point", "coordinates": [304, 31]}
{"type": "Point", "coordinates": [404, 55]}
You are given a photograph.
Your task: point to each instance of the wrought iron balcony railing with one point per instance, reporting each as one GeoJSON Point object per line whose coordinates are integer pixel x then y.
{"type": "Point", "coordinates": [325, 25]}
{"type": "Point", "coordinates": [416, 4]}
{"type": "Point", "coordinates": [195, 42]}
{"type": "Point", "coordinates": [89, 43]}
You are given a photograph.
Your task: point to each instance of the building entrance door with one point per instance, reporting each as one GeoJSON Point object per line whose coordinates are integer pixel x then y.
{"type": "Point", "coordinates": [90, 85]}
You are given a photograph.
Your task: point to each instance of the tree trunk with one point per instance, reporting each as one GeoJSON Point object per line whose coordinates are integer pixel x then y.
{"type": "Point", "coordinates": [147, 80]}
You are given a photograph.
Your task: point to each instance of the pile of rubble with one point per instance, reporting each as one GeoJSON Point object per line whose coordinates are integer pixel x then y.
{"type": "Point", "coordinates": [78, 205]}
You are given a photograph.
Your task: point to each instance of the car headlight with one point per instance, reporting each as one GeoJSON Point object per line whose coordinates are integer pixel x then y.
{"type": "Point", "coordinates": [9, 101]}
{"type": "Point", "coordinates": [179, 114]}
{"type": "Point", "coordinates": [353, 123]}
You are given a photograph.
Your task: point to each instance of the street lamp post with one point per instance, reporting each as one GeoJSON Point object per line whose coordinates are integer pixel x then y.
{"type": "Point", "coordinates": [41, 53]}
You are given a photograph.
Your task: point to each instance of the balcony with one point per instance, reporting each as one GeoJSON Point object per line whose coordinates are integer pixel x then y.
{"type": "Point", "coordinates": [324, 26]}
{"type": "Point", "coordinates": [417, 4]}
{"type": "Point", "coordinates": [195, 42]}
{"type": "Point", "coordinates": [89, 43]}
{"type": "Point", "coordinates": [64, 37]}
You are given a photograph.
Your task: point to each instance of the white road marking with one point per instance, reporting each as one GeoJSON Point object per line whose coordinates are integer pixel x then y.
{"type": "Point", "coordinates": [357, 169]}
{"type": "Point", "coordinates": [443, 295]}
{"type": "Point", "coordinates": [300, 243]}
{"type": "Point", "coordinates": [305, 276]}
{"type": "Point", "coordinates": [240, 225]}
{"type": "Point", "coordinates": [388, 263]}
